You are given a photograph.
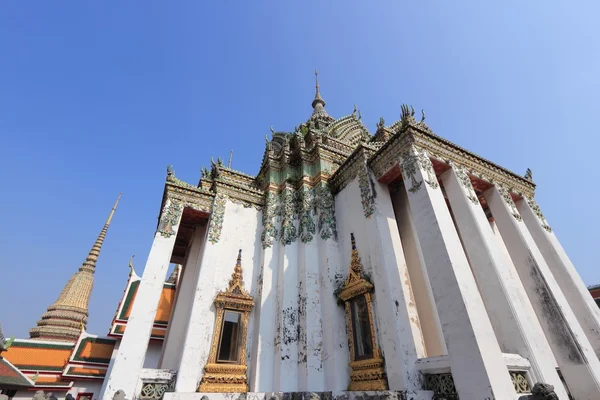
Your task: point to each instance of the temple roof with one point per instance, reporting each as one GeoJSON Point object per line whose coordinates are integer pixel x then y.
{"type": "Point", "coordinates": [163, 312]}
{"type": "Point", "coordinates": [10, 376]}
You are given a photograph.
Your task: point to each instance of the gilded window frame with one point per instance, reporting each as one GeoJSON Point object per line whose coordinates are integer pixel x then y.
{"type": "Point", "coordinates": [367, 374]}
{"type": "Point", "coordinates": [229, 377]}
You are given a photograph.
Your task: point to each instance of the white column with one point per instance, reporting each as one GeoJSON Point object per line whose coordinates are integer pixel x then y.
{"type": "Point", "coordinates": [197, 338]}
{"type": "Point", "coordinates": [395, 309]}
{"type": "Point", "coordinates": [428, 316]}
{"type": "Point", "coordinates": [335, 353]}
{"type": "Point", "coordinates": [511, 313]}
{"type": "Point", "coordinates": [571, 284]}
{"type": "Point", "coordinates": [172, 348]}
{"type": "Point", "coordinates": [289, 319]}
{"type": "Point", "coordinates": [265, 325]}
{"type": "Point", "coordinates": [476, 360]}
{"type": "Point", "coordinates": [311, 338]}
{"type": "Point", "coordinates": [132, 350]}
{"type": "Point", "coordinates": [575, 356]}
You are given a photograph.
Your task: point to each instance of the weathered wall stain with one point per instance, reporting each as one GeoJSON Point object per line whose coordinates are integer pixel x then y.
{"type": "Point", "coordinates": [560, 329]}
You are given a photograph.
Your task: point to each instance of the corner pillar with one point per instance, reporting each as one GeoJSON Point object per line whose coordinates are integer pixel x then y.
{"type": "Point", "coordinates": [476, 361]}
{"type": "Point", "coordinates": [574, 354]}
{"type": "Point", "coordinates": [395, 307]}
{"type": "Point", "coordinates": [510, 311]}
{"type": "Point", "coordinates": [571, 284]}
{"type": "Point", "coordinates": [129, 360]}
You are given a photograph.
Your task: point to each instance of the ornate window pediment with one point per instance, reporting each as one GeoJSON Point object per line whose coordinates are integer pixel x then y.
{"type": "Point", "coordinates": [366, 361]}
{"type": "Point", "coordinates": [225, 371]}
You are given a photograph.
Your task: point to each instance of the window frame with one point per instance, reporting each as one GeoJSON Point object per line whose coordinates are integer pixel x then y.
{"type": "Point", "coordinates": [238, 338]}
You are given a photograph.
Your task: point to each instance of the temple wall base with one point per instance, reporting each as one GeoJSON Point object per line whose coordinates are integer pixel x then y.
{"type": "Point", "coordinates": [343, 395]}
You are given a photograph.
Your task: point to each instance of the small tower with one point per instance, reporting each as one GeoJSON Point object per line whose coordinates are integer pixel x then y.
{"type": "Point", "coordinates": [64, 319]}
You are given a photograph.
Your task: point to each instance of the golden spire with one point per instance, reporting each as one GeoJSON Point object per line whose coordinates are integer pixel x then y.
{"type": "Point", "coordinates": [90, 262]}
{"type": "Point", "coordinates": [67, 316]}
{"type": "Point", "coordinates": [236, 283]}
{"type": "Point", "coordinates": [355, 263]}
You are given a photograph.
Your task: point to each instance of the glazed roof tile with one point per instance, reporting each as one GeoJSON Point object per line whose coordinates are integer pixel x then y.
{"type": "Point", "coordinates": [38, 356]}
{"type": "Point", "coordinates": [11, 376]}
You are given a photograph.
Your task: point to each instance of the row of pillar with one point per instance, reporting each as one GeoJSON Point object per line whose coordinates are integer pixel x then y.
{"type": "Point", "coordinates": [492, 300]}
{"type": "Point", "coordinates": [518, 293]}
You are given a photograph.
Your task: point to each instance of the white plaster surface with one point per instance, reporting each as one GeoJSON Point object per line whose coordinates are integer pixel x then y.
{"type": "Point", "coordinates": [511, 314]}
{"type": "Point", "coordinates": [477, 365]}
{"type": "Point", "coordinates": [574, 289]}
{"type": "Point", "coordinates": [173, 346]}
{"type": "Point", "coordinates": [130, 356]}
{"type": "Point", "coordinates": [575, 356]}
{"type": "Point", "coordinates": [217, 264]}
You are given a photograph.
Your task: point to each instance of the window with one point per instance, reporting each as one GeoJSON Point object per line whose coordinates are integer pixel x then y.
{"type": "Point", "coordinates": [356, 295]}
{"type": "Point", "coordinates": [228, 348]}
{"type": "Point", "coordinates": [361, 328]}
{"type": "Point", "coordinates": [225, 370]}
{"type": "Point", "coordinates": [597, 301]}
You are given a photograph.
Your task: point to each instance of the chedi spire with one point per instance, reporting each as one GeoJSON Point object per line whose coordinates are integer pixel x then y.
{"type": "Point", "coordinates": [64, 319]}
{"type": "Point", "coordinates": [318, 103]}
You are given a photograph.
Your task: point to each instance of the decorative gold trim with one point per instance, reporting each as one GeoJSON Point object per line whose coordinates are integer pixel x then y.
{"type": "Point", "coordinates": [367, 374]}
{"type": "Point", "coordinates": [229, 377]}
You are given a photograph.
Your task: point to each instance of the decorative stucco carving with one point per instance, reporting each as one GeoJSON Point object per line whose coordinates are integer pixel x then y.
{"type": "Point", "coordinates": [520, 382]}
{"type": "Point", "coordinates": [538, 212]}
{"type": "Point", "coordinates": [288, 233]}
{"type": "Point", "coordinates": [216, 218]}
{"type": "Point", "coordinates": [465, 181]}
{"type": "Point", "coordinates": [409, 169]}
{"type": "Point", "coordinates": [325, 207]}
{"type": "Point", "coordinates": [170, 217]}
{"type": "Point", "coordinates": [306, 224]}
{"type": "Point", "coordinates": [366, 192]}
{"type": "Point", "coordinates": [268, 220]}
{"type": "Point", "coordinates": [442, 385]}
{"type": "Point", "coordinates": [509, 201]}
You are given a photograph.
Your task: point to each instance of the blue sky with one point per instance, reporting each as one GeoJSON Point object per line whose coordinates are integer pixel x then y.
{"type": "Point", "coordinates": [98, 97]}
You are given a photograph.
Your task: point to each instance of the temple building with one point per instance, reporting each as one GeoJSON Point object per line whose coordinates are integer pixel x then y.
{"type": "Point", "coordinates": [393, 264]}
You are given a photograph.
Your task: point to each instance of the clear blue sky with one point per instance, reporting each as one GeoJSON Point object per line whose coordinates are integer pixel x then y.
{"type": "Point", "coordinates": [98, 97]}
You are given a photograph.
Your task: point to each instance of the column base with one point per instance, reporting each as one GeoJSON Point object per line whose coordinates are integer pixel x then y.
{"type": "Point", "coordinates": [345, 395]}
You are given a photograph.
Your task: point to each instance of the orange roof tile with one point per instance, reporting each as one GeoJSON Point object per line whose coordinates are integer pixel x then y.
{"type": "Point", "coordinates": [95, 350]}
{"type": "Point", "coordinates": [10, 376]}
{"type": "Point", "coordinates": [86, 371]}
{"type": "Point", "coordinates": [163, 313]}
{"type": "Point", "coordinates": [38, 355]}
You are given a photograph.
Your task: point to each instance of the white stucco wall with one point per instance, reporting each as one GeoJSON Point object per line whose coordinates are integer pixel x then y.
{"type": "Point", "coordinates": [378, 242]}
{"type": "Point", "coordinates": [240, 230]}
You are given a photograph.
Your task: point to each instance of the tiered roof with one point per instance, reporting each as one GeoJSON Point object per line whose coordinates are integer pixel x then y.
{"type": "Point", "coordinates": [47, 365]}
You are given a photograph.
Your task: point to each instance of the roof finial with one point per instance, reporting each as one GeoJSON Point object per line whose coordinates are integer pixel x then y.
{"type": "Point", "coordinates": [230, 159]}
{"type": "Point", "coordinates": [318, 103]}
